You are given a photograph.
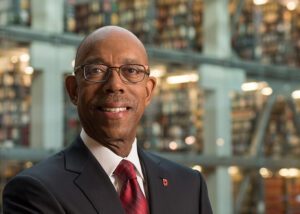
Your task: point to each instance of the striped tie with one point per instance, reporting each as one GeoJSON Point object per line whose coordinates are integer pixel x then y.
{"type": "Point", "coordinates": [132, 198]}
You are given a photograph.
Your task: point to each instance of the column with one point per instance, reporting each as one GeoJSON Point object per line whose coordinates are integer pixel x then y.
{"type": "Point", "coordinates": [50, 61]}
{"type": "Point", "coordinates": [217, 83]}
{"type": "Point", "coordinates": [48, 15]}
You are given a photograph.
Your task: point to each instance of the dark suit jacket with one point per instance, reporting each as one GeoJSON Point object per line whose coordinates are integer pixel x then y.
{"type": "Point", "coordinates": [72, 181]}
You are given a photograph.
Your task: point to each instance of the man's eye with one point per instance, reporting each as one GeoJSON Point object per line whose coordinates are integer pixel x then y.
{"type": "Point", "coordinates": [95, 70]}
{"type": "Point", "coordinates": [132, 70]}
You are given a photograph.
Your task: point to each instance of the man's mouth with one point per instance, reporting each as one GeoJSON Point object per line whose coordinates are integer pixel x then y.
{"type": "Point", "coordinates": [115, 110]}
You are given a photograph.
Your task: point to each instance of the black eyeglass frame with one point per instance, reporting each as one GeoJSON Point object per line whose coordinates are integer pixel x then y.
{"type": "Point", "coordinates": [110, 69]}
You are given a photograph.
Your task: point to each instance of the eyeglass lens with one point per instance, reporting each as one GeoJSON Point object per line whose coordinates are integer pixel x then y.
{"type": "Point", "coordinates": [100, 73]}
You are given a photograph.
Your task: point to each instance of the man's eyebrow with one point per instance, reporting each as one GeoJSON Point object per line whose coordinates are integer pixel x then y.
{"type": "Point", "coordinates": [94, 61]}
{"type": "Point", "coordinates": [130, 61]}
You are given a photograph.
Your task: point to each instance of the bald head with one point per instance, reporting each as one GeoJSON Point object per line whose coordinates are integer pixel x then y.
{"type": "Point", "coordinates": [109, 36]}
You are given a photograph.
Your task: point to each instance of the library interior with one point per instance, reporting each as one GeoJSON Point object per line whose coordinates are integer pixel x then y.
{"type": "Point", "coordinates": [227, 101]}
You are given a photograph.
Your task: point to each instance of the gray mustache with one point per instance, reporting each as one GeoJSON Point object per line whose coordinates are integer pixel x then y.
{"type": "Point", "coordinates": [113, 98]}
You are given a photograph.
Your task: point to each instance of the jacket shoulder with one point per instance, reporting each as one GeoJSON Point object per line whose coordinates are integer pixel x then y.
{"type": "Point", "coordinates": [48, 167]}
{"type": "Point", "coordinates": [28, 192]}
{"type": "Point", "coordinates": [175, 169]}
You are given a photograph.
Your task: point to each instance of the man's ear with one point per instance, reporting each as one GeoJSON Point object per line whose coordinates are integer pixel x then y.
{"type": "Point", "coordinates": [72, 86]}
{"type": "Point", "coordinates": [150, 86]}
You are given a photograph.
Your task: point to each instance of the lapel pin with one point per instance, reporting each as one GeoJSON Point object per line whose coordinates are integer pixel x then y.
{"type": "Point", "coordinates": [165, 182]}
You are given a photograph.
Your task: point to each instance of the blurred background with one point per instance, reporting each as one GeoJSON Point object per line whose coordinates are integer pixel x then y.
{"type": "Point", "coordinates": [228, 96]}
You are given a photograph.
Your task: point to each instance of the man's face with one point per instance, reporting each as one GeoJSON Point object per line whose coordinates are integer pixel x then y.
{"type": "Point", "coordinates": [110, 111]}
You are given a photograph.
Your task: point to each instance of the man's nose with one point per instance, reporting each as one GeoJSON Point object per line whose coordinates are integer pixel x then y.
{"type": "Point", "coordinates": [114, 82]}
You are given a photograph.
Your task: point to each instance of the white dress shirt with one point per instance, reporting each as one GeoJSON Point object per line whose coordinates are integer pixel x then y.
{"type": "Point", "coordinates": [109, 160]}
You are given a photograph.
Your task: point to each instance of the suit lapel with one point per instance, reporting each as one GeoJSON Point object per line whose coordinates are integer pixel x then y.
{"type": "Point", "coordinates": [92, 179]}
{"type": "Point", "coordinates": [158, 183]}
{"type": "Point", "coordinates": [97, 187]}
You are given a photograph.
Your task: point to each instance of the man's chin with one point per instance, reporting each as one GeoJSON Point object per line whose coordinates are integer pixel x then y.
{"type": "Point", "coordinates": [109, 137]}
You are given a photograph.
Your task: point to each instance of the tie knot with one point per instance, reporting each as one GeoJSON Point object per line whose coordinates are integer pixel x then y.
{"type": "Point", "coordinates": [125, 170]}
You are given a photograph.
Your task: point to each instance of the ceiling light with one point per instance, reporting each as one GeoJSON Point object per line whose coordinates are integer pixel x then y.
{"type": "Point", "coordinates": [296, 94]}
{"type": "Point", "coordinates": [267, 91]}
{"type": "Point", "coordinates": [29, 70]}
{"type": "Point", "coordinates": [158, 71]}
{"type": "Point", "coordinates": [190, 140]}
{"type": "Point", "coordinates": [233, 170]}
{"type": "Point", "coordinates": [292, 5]}
{"type": "Point", "coordinates": [182, 78]}
{"type": "Point", "coordinates": [265, 173]}
{"type": "Point", "coordinates": [292, 172]}
{"type": "Point", "coordinates": [260, 2]}
{"type": "Point", "coordinates": [250, 86]}
{"type": "Point", "coordinates": [24, 58]}
{"type": "Point", "coordinates": [173, 145]}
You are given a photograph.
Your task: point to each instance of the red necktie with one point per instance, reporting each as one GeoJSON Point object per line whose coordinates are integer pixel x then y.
{"type": "Point", "coordinates": [131, 195]}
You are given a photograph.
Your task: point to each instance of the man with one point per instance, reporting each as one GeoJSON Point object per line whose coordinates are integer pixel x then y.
{"type": "Point", "coordinates": [104, 171]}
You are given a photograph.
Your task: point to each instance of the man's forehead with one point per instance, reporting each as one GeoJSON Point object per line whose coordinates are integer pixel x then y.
{"type": "Point", "coordinates": [93, 45]}
{"type": "Point", "coordinates": [111, 33]}
{"type": "Point", "coordinates": [100, 40]}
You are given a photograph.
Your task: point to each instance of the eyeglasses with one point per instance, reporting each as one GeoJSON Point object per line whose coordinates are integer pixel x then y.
{"type": "Point", "coordinates": [129, 73]}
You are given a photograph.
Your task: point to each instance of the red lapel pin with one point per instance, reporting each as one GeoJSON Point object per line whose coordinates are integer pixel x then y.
{"type": "Point", "coordinates": [165, 182]}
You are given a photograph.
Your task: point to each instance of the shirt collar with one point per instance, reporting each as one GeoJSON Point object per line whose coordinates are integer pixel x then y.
{"type": "Point", "coordinates": [107, 158]}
